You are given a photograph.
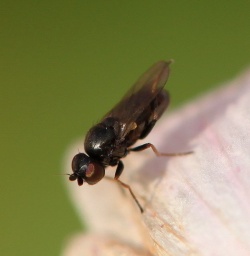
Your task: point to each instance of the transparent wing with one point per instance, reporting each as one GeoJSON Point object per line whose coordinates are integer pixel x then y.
{"type": "Point", "coordinates": [140, 95]}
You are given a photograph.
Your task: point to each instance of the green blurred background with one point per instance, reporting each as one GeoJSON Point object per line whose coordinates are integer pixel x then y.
{"type": "Point", "coordinates": [65, 63]}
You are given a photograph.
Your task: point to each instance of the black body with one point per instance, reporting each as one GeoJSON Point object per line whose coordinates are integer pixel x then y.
{"type": "Point", "coordinates": [131, 119]}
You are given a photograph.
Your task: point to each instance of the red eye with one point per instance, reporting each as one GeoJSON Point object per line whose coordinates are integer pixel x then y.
{"type": "Point", "coordinates": [94, 173]}
{"type": "Point", "coordinates": [90, 170]}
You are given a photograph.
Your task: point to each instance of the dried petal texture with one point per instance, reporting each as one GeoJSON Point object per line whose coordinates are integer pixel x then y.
{"type": "Point", "coordinates": [101, 246]}
{"type": "Point", "coordinates": [198, 204]}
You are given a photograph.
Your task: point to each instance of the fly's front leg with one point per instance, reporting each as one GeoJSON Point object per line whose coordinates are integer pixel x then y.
{"type": "Point", "coordinates": [119, 170]}
{"type": "Point", "coordinates": [149, 145]}
{"type": "Point", "coordinates": [118, 173]}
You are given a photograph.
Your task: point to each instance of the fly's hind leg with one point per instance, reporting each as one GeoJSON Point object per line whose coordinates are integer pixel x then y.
{"type": "Point", "coordinates": [149, 145]}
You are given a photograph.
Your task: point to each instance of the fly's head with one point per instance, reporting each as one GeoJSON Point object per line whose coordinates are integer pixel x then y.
{"type": "Point", "coordinates": [86, 170]}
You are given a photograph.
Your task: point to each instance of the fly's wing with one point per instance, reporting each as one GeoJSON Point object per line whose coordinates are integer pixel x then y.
{"type": "Point", "coordinates": [140, 95]}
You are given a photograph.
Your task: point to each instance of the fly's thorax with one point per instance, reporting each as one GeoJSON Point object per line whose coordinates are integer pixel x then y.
{"type": "Point", "coordinates": [99, 141]}
{"type": "Point", "coordinates": [103, 142]}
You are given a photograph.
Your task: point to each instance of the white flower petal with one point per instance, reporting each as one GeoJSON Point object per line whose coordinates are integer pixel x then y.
{"type": "Point", "coordinates": [85, 245]}
{"type": "Point", "coordinates": [196, 204]}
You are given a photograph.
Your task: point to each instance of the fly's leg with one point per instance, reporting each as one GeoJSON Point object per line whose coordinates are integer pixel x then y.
{"type": "Point", "coordinates": [149, 145]}
{"type": "Point", "coordinates": [118, 173]}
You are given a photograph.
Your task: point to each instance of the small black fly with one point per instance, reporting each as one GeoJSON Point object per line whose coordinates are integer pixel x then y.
{"type": "Point", "coordinates": [131, 119]}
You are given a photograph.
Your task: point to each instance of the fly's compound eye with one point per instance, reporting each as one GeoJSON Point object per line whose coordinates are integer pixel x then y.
{"type": "Point", "coordinates": [94, 173]}
{"type": "Point", "coordinates": [90, 171]}
{"type": "Point", "coordinates": [84, 169]}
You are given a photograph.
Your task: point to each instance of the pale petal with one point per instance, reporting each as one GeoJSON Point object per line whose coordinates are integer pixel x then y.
{"type": "Point", "coordinates": [85, 245]}
{"type": "Point", "coordinates": [194, 205]}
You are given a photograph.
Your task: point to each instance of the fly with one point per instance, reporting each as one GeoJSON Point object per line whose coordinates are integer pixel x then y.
{"type": "Point", "coordinates": [131, 119]}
